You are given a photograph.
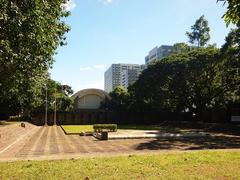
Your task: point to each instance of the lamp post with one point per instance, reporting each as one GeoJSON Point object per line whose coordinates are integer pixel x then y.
{"type": "Point", "coordinates": [46, 108]}
{"type": "Point", "coordinates": [55, 110]}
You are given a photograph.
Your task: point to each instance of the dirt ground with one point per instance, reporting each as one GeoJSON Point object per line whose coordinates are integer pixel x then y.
{"type": "Point", "coordinates": [38, 142]}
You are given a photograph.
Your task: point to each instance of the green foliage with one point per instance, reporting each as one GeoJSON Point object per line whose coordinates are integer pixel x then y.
{"type": "Point", "coordinates": [231, 42]}
{"type": "Point", "coordinates": [233, 16]}
{"type": "Point", "coordinates": [108, 127]}
{"type": "Point", "coordinates": [230, 68]}
{"type": "Point", "coordinates": [194, 81]}
{"type": "Point", "coordinates": [30, 32]}
{"type": "Point", "coordinates": [200, 32]}
{"type": "Point", "coordinates": [58, 93]}
{"type": "Point", "coordinates": [233, 12]}
{"type": "Point", "coordinates": [181, 47]}
{"type": "Point", "coordinates": [119, 101]}
{"type": "Point", "coordinates": [15, 118]}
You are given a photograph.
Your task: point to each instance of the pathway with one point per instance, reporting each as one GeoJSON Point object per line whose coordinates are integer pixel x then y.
{"type": "Point", "coordinates": [51, 143]}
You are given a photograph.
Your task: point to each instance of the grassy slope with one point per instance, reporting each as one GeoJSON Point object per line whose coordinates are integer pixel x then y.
{"type": "Point", "coordinates": [191, 165]}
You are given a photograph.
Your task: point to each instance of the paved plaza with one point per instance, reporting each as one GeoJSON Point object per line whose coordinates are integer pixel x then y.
{"type": "Point", "coordinates": [38, 142]}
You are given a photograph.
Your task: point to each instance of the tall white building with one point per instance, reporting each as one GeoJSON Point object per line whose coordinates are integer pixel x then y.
{"type": "Point", "coordinates": [121, 75]}
{"type": "Point", "coordinates": [157, 53]}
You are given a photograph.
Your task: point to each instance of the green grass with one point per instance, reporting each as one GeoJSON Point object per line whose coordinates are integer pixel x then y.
{"type": "Point", "coordinates": [187, 165]}
{"type": "Point", "coordinates": [8, 122]}
{"type": "Point", "coordinates": [89, 128]}
{"type": "Point", "coordinates": [77, 128]}
{"type": "Point", "coordinates": [170, 127]}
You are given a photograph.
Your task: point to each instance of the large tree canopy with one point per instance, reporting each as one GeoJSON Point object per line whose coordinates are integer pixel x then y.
{"type": "Point", "coordinates": [30, 32]}
{"type": "Point", "coordinates": [194, 81]}
{"type": "Point", "coordinates": [119, 101]}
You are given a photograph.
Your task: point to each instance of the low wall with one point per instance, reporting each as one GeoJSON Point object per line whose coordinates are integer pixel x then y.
{"type": "Point", "coordinates": [105, 117]}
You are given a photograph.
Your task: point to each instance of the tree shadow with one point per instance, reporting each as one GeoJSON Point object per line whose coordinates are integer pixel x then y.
{"type": "Point", "coordinates": [207, 142]}
{"type": "Point", "coordinates": [226, 129]}
{"type": "Point", "coordinates": [222, 128]}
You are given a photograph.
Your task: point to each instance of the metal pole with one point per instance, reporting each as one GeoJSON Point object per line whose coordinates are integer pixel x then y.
{"type": "Point", "coordinates": [55, 111]}
{"type": "Point", "coordinates": [46, 107]}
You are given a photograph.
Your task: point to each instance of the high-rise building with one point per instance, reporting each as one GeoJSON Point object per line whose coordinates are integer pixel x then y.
{"type": "Point", "coordinates": [130, 75]}
{"type": "Point", "coordinates": [157, 53]}
{"type": "Point", "coordinates": [121, 75]}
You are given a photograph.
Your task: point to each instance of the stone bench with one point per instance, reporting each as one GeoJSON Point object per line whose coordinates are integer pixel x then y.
{"type": "Point", "coordinates": [101, 135]}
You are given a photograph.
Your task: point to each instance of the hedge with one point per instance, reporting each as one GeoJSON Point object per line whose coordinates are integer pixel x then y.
{"type": "Point", "coordinates": [16, 118]}
{"type": "Point", "coordinates": [108, 127]}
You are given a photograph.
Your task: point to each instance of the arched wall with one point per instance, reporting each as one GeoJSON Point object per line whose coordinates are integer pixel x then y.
{"type": "Point", "coordinates": [89, 98]}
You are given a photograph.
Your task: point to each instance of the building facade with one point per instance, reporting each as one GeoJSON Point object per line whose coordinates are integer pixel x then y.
{"type": "Point", "coordinates": [157, 53]}
{"type": "Point", "coordinates": [130, 75]}
{"type": "Point", "coordinates": [121, 75]}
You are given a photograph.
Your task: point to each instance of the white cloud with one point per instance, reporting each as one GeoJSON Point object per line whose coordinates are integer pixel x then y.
{"type": "Point", "coordinates": [95, 67]}
{"type": "Point", "coordinates": [69, 5]}
{"type": "Point", "coordinates": [99, 66]}
{"type": "Point", "coordinates": [107, 1]}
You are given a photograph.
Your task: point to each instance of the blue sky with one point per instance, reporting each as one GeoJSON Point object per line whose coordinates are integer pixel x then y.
{"type": "Point", "coordinates": [124, 31]}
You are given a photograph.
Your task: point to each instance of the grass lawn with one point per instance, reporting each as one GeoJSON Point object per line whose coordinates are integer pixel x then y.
{"type": "Point", "coordinates": [167, 127]}
{"type": "Point", "coordinates": [77, 128]}
{"type": "Point", "coordinates": [89, 128]}
{"type": "Point", "coordinates": [177, 165]}
{"type": "Point", "coordinates": [7, 122]}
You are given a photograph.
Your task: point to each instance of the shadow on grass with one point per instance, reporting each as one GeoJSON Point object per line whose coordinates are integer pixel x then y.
{"type": "Point", "coordinates": [226, 129]}
{"type": "Point", "coordinates": [183, 127]}
{"type": "Point", "coordinates": [208, 142]}
{"type": "Point", "coordinates": [222, 136]}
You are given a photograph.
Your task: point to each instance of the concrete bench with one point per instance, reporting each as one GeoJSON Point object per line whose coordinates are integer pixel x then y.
{"type": "Point", "coordinates": [101, 135]}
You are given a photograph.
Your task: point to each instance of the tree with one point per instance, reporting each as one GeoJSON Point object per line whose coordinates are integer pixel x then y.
{"type": "Point", "coordinates": [231, 43]}
{"type": "Point", "coordinates": [30, 32]}
{"type": "Point", "coordinates": [230, 68]}
{"type": "Point", "coordinates": [56, 93]}
{"type": "Point", "coordinates": [230, 52]}
{"type": "Point", "coordinates": [190, 81]}
{"type": "Point", "coordinates": [233, 12]}
{"type": "Point", "coordinates": [119, 100]}
{"type": "Point", "coordinates": [232, 15]}
{"type": "Point", "coordinates": [181, 47]}
{"type": "Point", "coordinates": [200, 32]}
{"type": "Point", "coordinates": [153, 90]}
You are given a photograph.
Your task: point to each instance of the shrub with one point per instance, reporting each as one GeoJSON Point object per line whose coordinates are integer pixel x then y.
{"type": "Point", "coordinates": [15, 118]}
{"type": "Point", "coordinates": [108, 127]}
